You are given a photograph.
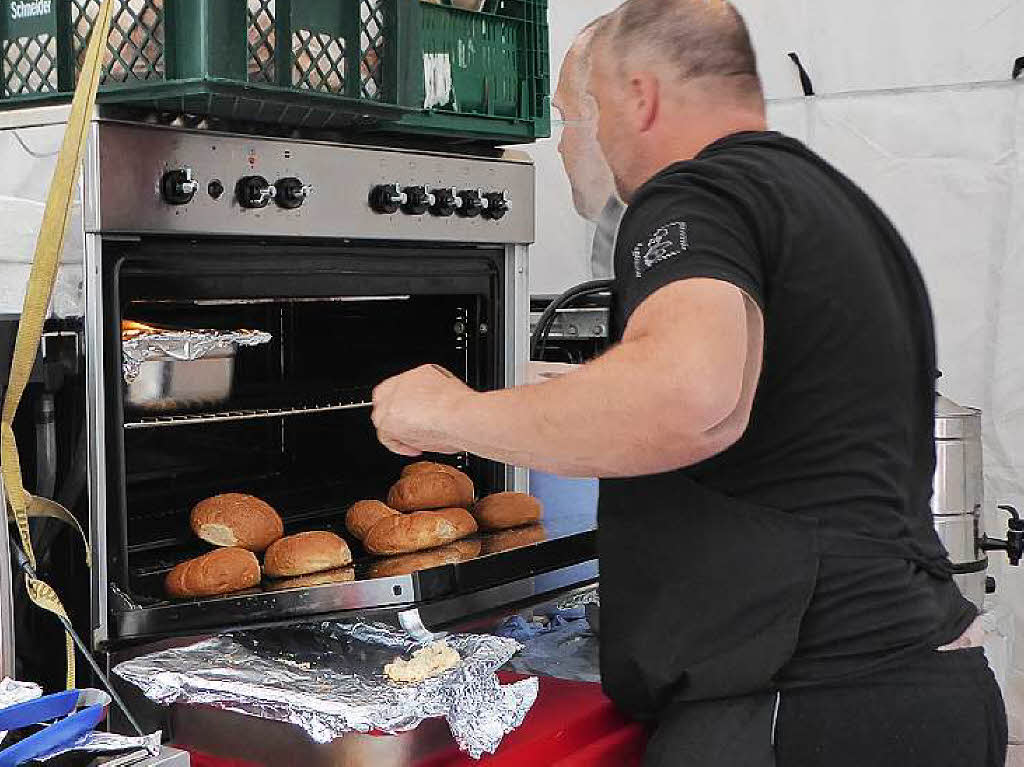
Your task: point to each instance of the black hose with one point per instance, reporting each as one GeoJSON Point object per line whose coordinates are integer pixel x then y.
{"type": "Point", "coordinates": [538, 341]}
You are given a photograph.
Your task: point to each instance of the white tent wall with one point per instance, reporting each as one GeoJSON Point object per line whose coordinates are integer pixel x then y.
{"type": "Point", "coordinates": [913, 101]}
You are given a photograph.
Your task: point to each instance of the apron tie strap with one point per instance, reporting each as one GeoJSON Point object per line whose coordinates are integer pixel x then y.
{"type": "Point", "coordinates": [49, 245]}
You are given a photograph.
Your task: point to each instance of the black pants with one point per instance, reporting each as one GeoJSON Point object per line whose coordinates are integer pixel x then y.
{"type": "Point", "coordinates": [943, 709]}
{"type": "Point", "coordinates": [937, 710]}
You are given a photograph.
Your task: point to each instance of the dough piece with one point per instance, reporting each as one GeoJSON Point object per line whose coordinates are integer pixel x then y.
{"type": "Point", "coordinates": [339, 575]}
{"type": "Point", "coordinates": [306, 553]}
{"type": "Point", "coordinates": [406, 533]}
{"type": "Point", "coordinates": [235, 519]}
{"type": "Point", "coordinates": [434, 659]}
{"type": "Point", "coordinates": [404, 564]}
{"type": "Point", "coordinates": [427, 490]}
{"type": "Point", "coordinates": [465, 483]}
{"type": "Point", "coordinates": [504, 510]}
{"type": "Point", "coordinates": [514, 538]}
{"type": "Point", "coordinates": [222, 571]}
{"type": "Point", "coordinates": [363, 515]}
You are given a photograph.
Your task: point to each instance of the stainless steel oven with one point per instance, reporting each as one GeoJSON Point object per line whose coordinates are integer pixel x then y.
{"type": "Point", "coordinates": [359, 262]}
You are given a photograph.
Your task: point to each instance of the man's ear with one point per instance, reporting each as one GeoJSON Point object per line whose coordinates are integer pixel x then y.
{"type": "Point", "coordinates": [645, 98]}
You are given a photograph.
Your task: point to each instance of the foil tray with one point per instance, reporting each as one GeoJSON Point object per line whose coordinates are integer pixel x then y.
{"type": "Point", "coordinates": [328, 679]}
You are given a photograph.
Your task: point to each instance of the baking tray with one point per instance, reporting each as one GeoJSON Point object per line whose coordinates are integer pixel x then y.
{"type": "Point", "coordinates": [485, 582]}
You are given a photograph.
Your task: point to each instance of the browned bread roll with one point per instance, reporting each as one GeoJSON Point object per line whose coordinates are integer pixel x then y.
{"type": "Point", "coordinates": [406, 533]}
{"type": "Point", "coordinates": [427, 490]}
{"type": "Point", "coordinates": [363, 515]}
{"type": "Point", "coordinates": [503, 510]}
{"type": "Point", "coordinates": [235, 519]}
{"type": "Point", "coordinates": [338, 575]}
{"type": "Point", "coordinates": [465, 483]}
{"type": "Point", "coordinates": [514, 538]}
{"type": "Point", "coordinates": [306, 553]}
{"type": "Point", "coordinates": [468, 548]}
{"type": "Point", "coordinates": [464, 523]}
{"type": "Point", "coordinates": [404, 564]}
{"type": "Point", "coordinates": [222, 571]}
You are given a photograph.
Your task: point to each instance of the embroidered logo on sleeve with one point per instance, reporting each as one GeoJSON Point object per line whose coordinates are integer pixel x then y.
{"type": "Point", "coordinates": [665, 243]}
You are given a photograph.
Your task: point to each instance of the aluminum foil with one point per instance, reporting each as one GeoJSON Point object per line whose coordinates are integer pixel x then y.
{"type": "Point", "coordinates": [580, 599]}
{"type": "Point", "coordinates": [328, 679]}
{"type": "Point", "coordinates": [180, 345]}
{"type": "Point", "coordinates": [13, 693]}
{"type": "Point", "coordinates": [106, 743]}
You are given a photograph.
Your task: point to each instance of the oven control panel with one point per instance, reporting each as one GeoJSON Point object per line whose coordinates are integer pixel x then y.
{"type": "Point", "coordinates": [389, 199]}
{"type": "Point", "coordinates": [199, 182]}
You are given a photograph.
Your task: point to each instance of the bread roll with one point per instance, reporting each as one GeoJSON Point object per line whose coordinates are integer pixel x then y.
{"type": "Point", "coordinates": [222, 571]}
{"type": "Point", "coordinates": [464, 523]}
{"type": "Point", "coordinates": [504, 510]}
{"type": "Point", "coordinates": [514, 538]}
{"type": "Point", "coordinates": [338, 575]}
{"type": "Point", "coordinates": [427, 490]}
{"type": "Point", "coordinates": [465, 483]}
{"type": "Point", "coordinates": [469, 549]}
{"type": "Point", "coordinates": [406, 533]}
{"type": "Point", "coordinates": [306, 553]}
{"type": "Point", "coordinates": [363, 515]}
{"type": "Point", "coordinates": [235, 519]}
{"type": "Point", "coordinates": [404, 564]}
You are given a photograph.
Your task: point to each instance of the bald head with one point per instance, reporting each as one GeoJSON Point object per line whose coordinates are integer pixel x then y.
{"type": "Point", "coordinates": [697, 39]}
{"type": "Point", "coordinates": [670, 77]}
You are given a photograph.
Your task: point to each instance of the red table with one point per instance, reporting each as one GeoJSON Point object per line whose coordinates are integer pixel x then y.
{"type": "Point", "coordinates": [572, 724]}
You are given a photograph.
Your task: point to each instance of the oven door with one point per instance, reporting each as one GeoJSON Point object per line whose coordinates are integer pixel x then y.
{"type": "Point", "coordinates": [292, 425]}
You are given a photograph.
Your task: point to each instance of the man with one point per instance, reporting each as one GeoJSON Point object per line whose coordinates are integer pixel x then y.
{"type": "Point", "coordinates": [593, 189]}
{"type": "Point", "coordinates": [772, 589]}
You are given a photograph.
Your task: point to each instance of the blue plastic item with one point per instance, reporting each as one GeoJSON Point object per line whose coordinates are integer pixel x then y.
{"type": "Point", "coordinates": [61, 734]}
{"type": "Point", "coordinates": [44, 709]}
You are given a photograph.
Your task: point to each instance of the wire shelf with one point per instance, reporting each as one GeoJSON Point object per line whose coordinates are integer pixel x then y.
{"type": "Point", "coordinates": [192, 419]}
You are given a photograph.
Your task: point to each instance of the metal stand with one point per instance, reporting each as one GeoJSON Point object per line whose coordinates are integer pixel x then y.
{"type": "Point", "coordinates": [7, 664]}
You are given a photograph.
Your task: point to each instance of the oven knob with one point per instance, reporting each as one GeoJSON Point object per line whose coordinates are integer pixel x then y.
{"type": "Point", "coordinates": [472, 203]}
{"type": "Point", "coordinates": [446, 202]}
{"type": "Point", "coordinates": [497, 205]}
{"type": "Point", "coordinates": [387, 198]}
{"type": "Point", "coordinates": [417, 200]}
{"type": "Point", "coordinates": [178, 187]}
{"type": "Point", "coordinates": [291, 193]}
{"type": "Point", "coordinates": [255, 192]}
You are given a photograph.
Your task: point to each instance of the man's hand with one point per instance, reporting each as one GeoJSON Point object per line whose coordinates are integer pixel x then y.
{"type": "Point", "coordinates": [413, 411]}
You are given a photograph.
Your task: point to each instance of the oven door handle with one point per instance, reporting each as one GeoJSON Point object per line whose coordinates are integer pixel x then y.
{"type": "Point", "coordinates": [429, 622]}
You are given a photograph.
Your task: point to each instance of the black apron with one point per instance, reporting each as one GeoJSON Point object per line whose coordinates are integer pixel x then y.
{"type": "Point", "coordinates": [702, 600]}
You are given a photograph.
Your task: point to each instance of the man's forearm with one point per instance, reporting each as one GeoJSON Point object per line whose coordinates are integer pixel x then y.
{"type": "Point", "coordinates": [605, 419]}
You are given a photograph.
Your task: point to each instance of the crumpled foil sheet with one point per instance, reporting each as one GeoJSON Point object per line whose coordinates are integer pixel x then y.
{"type": "Point", "coordinates": [579, 599]}
{"type": "Point", "coordinates": [328, 679]}
{"type": "Point", "coordinates": [106, 743]}
{"type": "Point", "coordinates": [180, 345]}
{"type": "Point", "coordinates": [13, 693]}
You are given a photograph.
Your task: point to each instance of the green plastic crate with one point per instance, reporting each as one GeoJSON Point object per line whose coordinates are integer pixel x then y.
{"type": "Point", "coordinates": [350, 64]}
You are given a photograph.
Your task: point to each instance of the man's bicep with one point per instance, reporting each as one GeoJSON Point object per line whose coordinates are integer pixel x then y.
{"type": "Point", "coordinates": [699, 338]}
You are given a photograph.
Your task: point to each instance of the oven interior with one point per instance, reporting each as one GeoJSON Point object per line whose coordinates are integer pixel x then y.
{"type": "Point", "coordinates": [296, 430]}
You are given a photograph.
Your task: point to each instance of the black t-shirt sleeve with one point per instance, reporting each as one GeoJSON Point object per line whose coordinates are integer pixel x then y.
{"type": "Point", "coordinates": [679, 230]}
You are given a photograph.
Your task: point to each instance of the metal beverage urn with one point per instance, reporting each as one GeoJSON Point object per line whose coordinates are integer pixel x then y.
{"type": "Point", "coordinates": [958, 500]}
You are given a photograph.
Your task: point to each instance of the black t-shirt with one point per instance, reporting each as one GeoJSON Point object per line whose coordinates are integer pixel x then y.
{"type": "Point", "coordinates": [843, 419]}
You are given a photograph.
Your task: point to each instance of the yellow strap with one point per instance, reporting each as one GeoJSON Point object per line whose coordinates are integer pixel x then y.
{"type": "Point", "coordinates": [33, 314]}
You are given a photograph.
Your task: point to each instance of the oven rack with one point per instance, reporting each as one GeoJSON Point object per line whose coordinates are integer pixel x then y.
{"type": "Point", "coordinates": [149, 422]}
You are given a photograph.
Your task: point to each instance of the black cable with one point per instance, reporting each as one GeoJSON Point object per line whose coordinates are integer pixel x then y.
{"type": "Point", "coordinates": [546, 321]}
{"type": "Point", "coordinates": [566, 304]}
